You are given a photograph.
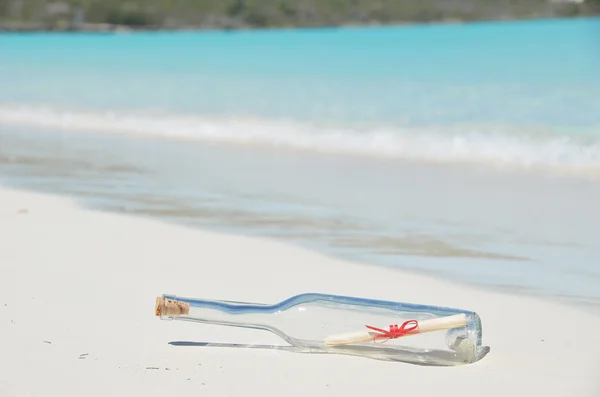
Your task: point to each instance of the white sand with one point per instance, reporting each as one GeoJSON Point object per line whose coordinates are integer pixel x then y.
{"type": "Point", "coordinates": [78, 282]}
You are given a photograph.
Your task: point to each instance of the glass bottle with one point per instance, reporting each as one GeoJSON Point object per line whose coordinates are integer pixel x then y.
{"type": "Point", "coordinates": [322, 323]}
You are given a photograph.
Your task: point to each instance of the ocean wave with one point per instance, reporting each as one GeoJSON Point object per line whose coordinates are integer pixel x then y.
{"type": "Point", "coordinates": [498, 146]}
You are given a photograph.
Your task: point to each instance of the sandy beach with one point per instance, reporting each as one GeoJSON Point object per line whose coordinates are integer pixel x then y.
{"type": "Point", "coordinates": [78, 290]}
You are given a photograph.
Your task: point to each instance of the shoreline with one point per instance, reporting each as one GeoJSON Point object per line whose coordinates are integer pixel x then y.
{"type": "Point", "coordinates": [419, 248]}
{"type": "Point", "coordinates": [109, 268]}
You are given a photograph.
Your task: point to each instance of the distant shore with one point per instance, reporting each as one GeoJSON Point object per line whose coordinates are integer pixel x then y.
{"type": "Point", "coordinates": [111, 28]}
{"type": "Point", "coordinates": [152, 15]}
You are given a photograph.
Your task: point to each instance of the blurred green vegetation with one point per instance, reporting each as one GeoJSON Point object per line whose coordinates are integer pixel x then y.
{"type": "Point", "coordinates": [236, 14]}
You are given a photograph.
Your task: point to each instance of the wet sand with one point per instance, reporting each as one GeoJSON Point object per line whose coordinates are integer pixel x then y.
{"type": "Point", "coordinates": [515, 231]}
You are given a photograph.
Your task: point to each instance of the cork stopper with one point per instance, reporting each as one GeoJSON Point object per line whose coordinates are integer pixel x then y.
{"type": "Point", "coordinates": [170, 307]}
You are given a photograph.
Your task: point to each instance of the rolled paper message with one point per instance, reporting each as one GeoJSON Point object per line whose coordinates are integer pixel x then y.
{"type": "Point", "coordinates": [410, 327]}
{"type": "Point", "coordinates": [170, 307]}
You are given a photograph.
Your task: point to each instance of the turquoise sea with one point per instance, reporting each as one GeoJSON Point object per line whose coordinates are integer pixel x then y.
{"type": "Point", "coordinates": [469, 152]}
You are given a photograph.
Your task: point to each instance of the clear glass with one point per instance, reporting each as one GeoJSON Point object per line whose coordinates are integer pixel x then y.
{"type": "Point", "coordinates": [321, 323]}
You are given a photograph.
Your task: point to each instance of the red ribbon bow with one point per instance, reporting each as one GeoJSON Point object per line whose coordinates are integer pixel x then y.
{"type": "Point", "coordinates": [395, 331]}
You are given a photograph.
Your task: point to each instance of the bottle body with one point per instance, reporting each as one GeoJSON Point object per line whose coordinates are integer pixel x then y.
{"type": "Point", "coordinates": [322, 323]}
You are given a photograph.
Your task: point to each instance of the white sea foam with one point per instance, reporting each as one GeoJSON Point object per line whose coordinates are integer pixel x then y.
{"type": "Point", "coordinates": [464, 144]}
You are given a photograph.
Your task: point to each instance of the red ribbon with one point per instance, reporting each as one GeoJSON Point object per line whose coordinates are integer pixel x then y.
{"type": "Point", "coordinates": [395, 330]}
